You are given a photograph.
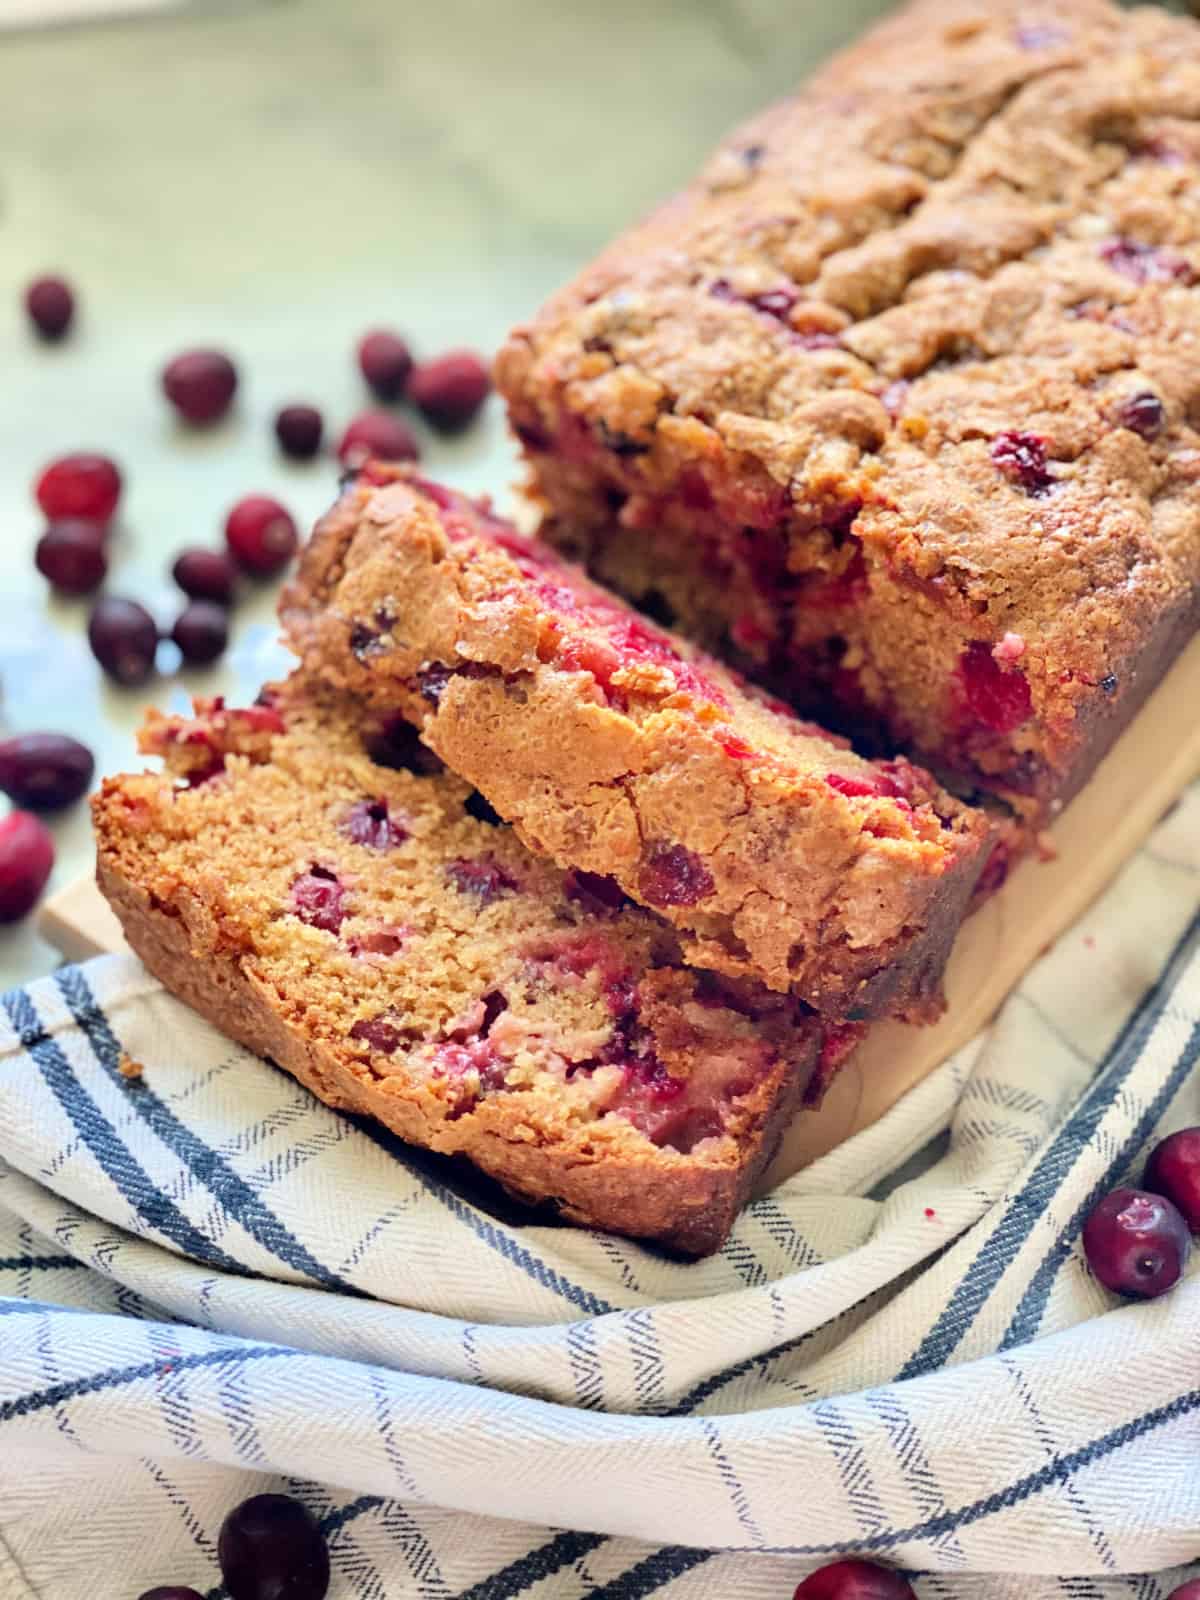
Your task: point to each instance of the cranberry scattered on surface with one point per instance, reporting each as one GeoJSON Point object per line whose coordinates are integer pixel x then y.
{"type": "Point", "coordinates": [80, 485]}
{"type": "Point", "coordinates": [319, 899]}
{"type": "Point", "coordinates": [299, 430]}
{"type": "Point", "coordinates": [205, 574]}
{"type": "Point", "coordinates": [368, 823]}
{"type": "Point", "coordinates": [70, 555]}
{"type": "Point", "coordinates": [200, 384]}
{"type": "Point", "coordinates": [1136, 1243]}
{"type": "Point", "coordinates": [996, 698]}
{"type": "Point", "coordinates": [26, 861]}
{"type": "Point", "coordinates": [449, 391]}
{"type": "Point", "coordinates": [201, 631]}
{"type": "Point", "coordinates": [1143, 414]}
{"type": "Point", "coordinates": [1173, 1170]}
{"type": "Point", "coordinates": [124, 639]}
{"type": "Point", "coordinates": [270, 1548]}
{"type": "Point", "coordinates": [261, 535]}
{"type": "Point", "coordinates": [855, 1580]}
{"type": "Point", "coordinates": [50, 303]}
{"type": "Point", "coordinates": [385, 362]}
{"type": "Point", "coordinates": [44, 771]}
{"type": "Point", "coordinates": [377, 433]}
{"type": "Point", "coordinates": [673, 876]}
{"type": "Point", "coordinates": [1022, 457]}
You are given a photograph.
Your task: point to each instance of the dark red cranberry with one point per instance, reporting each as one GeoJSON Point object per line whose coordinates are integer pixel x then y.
{"type": "Point", "coordinates": [855, 1580]}
{"type": "Point", "coordinates": [319, 899]}
{"type": "Point", "coordinates": [671, 875]}
{"type": "Point", "coordinates": [171, 1591]}
{"type": "Point", "coordinates": [79, 485]}
{"type": "Point", "coordinates": [1173, 1170]}
{"type": "Point", "coordinates": [385, 361]}
{"type": "Point", "coordinates": [270, 1548]}
{"type": "Point", "coordinates": [124, 639]}
{"type": "Point", "coordinates": [299, 430]}
{"type": "Point", "coordinates": [200, 384]}
{"type": "Point", "coordinates": [377, 433]}
{"type": "Point", "coordinates": [201, 631]}
{"type": "Point", "coordinates": [368, 823]}
{"type": "Point", "coordinates": [380, 1033]}
{"type": "Point", "coordinates": [1022, 457]}
{"type": "Point", "coordinates": [1136, 1243]}
{"type": "Point", "coordinates": [261, 535]}
{"type": "Point", "coordinates": [996, 698]}
{"type": "Point", "coordinates": [44, 771]}
{"type": "Point", "coordinates": [448, 392]}
{"type": "Point", "coordinates": [1143, 414]}
{"type": "Point", "coordinates": [397, 745]}
{"type": "Point", "coordinates": [205, 575]}
{"type": "Point", "coordinates": [50, 303]}
{"type": "Point", "coordinates": [70, 555]}
{"type": "Point", "coordinates": [1146, 263]}
{"type": "Point", "coordinates": [483, 878]}
{"type": "Point", "coordinates": [26, 861]}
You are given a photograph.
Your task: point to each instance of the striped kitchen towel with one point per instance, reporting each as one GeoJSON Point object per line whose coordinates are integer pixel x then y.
{"type": "Point", "coordinates": [210, 1284]}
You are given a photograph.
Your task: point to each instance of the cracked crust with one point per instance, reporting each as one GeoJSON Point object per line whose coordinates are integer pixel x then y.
{"type": "Point", "coordinates": [775, 851]}
{"type": "Point", "coordinates": [796, 408]}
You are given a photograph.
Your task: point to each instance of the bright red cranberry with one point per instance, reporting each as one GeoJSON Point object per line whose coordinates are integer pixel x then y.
{"type": "Point", "coordinates": [200, 384]}
{"type": "Point", "coordinates": [201, 631]}
{"type": "Point", "coordinates": [270, 1548]}
{"type": "Point", "coordinates": [673, 876]}
{"type": "Point", "coordinates": [855, 1580]}
{"type": "Point", "coordinates": [385, 362]}
{"type": "Point", "coordinates": [377, 433]}
{"type": "Point", "coordinates": [26, 861]}
{"type": "Point", "coordinates": [368, 823]}
{"type": "Point", "coordinates": [483, 878]}
{"type": "Point", "coordinates": [171, 1591]}
{"type": "Point", "coordinates": [80, 485]}
{"type": "Point", "coordinates": [261, 535]}
{"type": "Point", "coordinates": [1143, 414]}
{"type": "Point", "coordinates": [71, 556]}
{"type": "Point", "coordinates": [1136, 1243]}
{"type": "Point", "coordinates": [1173, 1170]}
{"type": "Point", "coordinates": [1022, 457]}
{"type": "Point", "coordinates": [124, 639]}
{"type": "Point", "coordinates": [205, 575]}
{"type": "Point", "coordinates": [44, 771]}
{"type": "Point", "coordinates": [995, 698]}
{"type": "Point", "coordinates": [319, 899]}
{"type": "Point", "coordinates": [299, 430]}
{"type": "Point", "coordinates": [1146, 263]}
{"type": "Point", "coordinates": [50, 303]}
{"type": "Point", "coordinates": [448, 392]}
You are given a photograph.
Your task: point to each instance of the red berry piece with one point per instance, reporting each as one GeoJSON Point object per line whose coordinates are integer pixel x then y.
{"type": "Point", "coordinates": [270, 1548]}
{"type": "Point", "coordinates": [994, 697]}
{"type": "Point", "coordinates": [673, 876]}
{"type": "Point", "coordinates": [1136, 1243]}
{"type": "Point", "coordinates": [380, 1033]}
{"type": "Point", "coordinates": [299, 430]}
{"type": "Point", "coordinates": [201, 631]}
{"type": "Point", "coordinates": [124, 639]}
{"type": "Point", "coordinates": [1022, 457]}
{"type": "Point", "coordinates": [70, 555]}
{"type": "Point", "coordinates": [261, 535]}
{"type": "Point", "coordinates": [369, 824]}
{"type": "Point", "coordinates": [1146, 263]}
{"type": "Point", "coordinates": [855, 1580]}
{"type": "Point", "coordinates": [385, 362]}
{"type": "Point", "coordinates": [26, 861]}
{"type": "Point", "coordinates": [484, 878]}
{"type": "Point", "coordinates": [377, 433]}
{"type": "Point", "coordinates": [319, 899]}
{"type": "Point", "coordinates": [1143, 414]}
{"type": "Point", "coordinates": [80, 485]}
{"type": "Point", "coordinates": [205, 575]}
{"type": "Point", "coordinates": [44, 771]}
{"type": "Point", "coordinates": [50, 303]}
{"type": "Point", "coordinates": [200, 384]}
{"type": "Point", "coordinates": [1173, 1170]}
{"type": "Point", "coordinates": [449, 391]}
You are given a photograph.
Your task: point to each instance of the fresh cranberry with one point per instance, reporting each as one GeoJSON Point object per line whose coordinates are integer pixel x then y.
{"type": "Point", "coordinates": [124, 639]}
{"type": "Point", "coordinates": [377, 433]}
{"type": "Point", "coordinates": [449, 391]}
{"type": "Point", "coordinates": [1143, 414]}
{"type": "Point", "coordinates": [270, 1548]}
{"type": "Point", "coordinates": [380, 1033]}
{"type": "Point", "coordinates": [1022, 457]}
{"type": "Point", "coordinates": [855, 1580]}
{"type": "Point", "coordinates": [995, 698]}
{"type": "Point", "coordinates": [1136, 1243]}
{"type": "Point", "coordinates": [205, 575]}
{"type": "Point", "coordinates": [26, 861]}
{"type": "Point", "coordinates": [299, 430]}
{"type": "Point", "coordinates": [261, 535]}
{"type": "Point", "coordinates": [44, 771]}
{"type": "Point", "coordinates": [385, 362]}
{"type": "Point", "coordinates": [1173, 1170]}
{"type": "Point", "coordinates": [673, 876]}
{"type": "Point", "coordinates": [80, 485]}
{"type": "Point", "coordinates": [319, 899]}
{"type": "Point", "coordinates": [70, 555]}
{"type": "Point", "coordinates": [171, 1591]}
{"type": "Point", "coordinates": [201, 631]}
{"type": "Point", "coordinates": [1146, 263]}
{"type": "Point", "coordinates": [50, 303]}
{"type": "Point", "coordinates": [483, 877]}
{"type": "Point", "coordinates": [368, 823]}
{"type": "Point", "coordinates": [200, 384]}
{"type": "Point", "coordinates": [397, 745]}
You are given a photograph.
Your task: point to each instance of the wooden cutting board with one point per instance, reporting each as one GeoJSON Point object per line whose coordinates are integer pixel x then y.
{"type": "Point", "coordinates": [1150, 767]}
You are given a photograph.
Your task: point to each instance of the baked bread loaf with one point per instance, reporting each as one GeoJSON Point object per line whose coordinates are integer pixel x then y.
{"type": "Point", "coordinates": [613, 748]}
{"type": "Point", "coordinates": [305, 878]}
{"type": "Point", "coordinates": [897, 405]}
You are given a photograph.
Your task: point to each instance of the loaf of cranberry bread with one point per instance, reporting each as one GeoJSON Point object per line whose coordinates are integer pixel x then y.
{"type": "Point", "coordinates": [897, 404]}
{"type": "Point", "coordinates": [613, 748]}
{"type": "Point", "coordinates": [306, 878]}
